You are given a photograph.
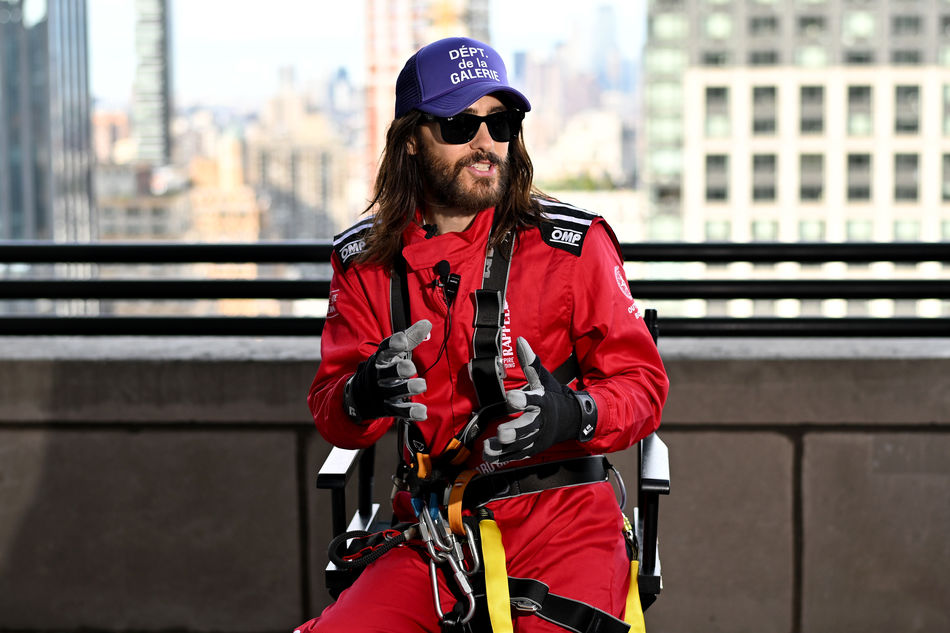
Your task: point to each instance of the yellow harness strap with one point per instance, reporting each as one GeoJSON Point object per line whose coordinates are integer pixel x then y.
{"type": "Point", "coordinates": [633, 615]}
{"type": "Point", "coordinates": [496, 577]}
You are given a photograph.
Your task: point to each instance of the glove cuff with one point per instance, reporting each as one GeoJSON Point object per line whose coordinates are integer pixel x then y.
{"type": "Point", "coordinates": [588, 408]}
{"type": "Point", "coordinates": [349, 401]}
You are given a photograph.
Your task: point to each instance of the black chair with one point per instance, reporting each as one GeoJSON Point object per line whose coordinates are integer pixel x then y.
{"type": "Point", "coordinates": [653, 480]}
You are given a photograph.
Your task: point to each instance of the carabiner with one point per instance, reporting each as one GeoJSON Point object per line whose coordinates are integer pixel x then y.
{"type": "Point", "coordinates": [473, 548]}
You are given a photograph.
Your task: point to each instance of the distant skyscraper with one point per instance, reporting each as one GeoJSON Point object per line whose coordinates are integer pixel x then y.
{"type": "Point", "coordinates": [296, 163]}
{"type": "Point", "coordinates": [806, 121]}
{"type": "Point", "coordinates": [152, 102]}
{"type": "Point", "coordinates": [798, 121]}
{"type": "Point", "coordinates": [395, 29]}
{"type": "Point", "coordinates": [45, 147]}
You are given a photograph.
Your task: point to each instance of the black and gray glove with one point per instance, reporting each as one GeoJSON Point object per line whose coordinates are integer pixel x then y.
{"type": "Point", "coordinates": [383, 385]}
{"type": "Point", "coordinates": [553, 413]}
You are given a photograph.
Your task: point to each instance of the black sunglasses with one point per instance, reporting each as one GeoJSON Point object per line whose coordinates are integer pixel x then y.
{"type": "Point", "coordinates": [462, 128]}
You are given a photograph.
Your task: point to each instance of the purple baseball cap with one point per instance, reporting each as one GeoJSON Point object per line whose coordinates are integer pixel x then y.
{"type": "Point", "coordinates": [445, 77]}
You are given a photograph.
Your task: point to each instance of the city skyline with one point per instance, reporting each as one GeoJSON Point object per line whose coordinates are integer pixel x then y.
{"type": "Point", "coordinates": [238, 64]}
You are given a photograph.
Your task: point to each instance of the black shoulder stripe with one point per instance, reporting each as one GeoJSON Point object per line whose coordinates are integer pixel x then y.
{"type": "Point", "coordinates": [566, 225]}
{"type": "Point", "coordinates": [350, 242]}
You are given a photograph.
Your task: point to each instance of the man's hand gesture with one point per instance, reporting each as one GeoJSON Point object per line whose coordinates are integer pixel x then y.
{"type": "Point", "coordinates": [383, 385]}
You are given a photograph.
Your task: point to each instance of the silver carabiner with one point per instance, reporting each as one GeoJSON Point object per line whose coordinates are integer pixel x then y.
{"type": "Point", "coordinates": [436, 531]}
{"type": "Point", "coordinates": [473, 548]}
{"type": "Point", "coordinates": [623, 488]}
{"type": "Point", "coordinates": [462, 582]}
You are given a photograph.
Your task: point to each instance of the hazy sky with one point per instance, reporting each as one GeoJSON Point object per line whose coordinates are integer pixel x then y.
{"type": "Point", "coordinates": [229, 51]}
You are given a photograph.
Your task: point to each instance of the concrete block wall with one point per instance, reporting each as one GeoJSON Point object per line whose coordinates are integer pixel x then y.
{"type": "Point", "coordinates": [167, 484]}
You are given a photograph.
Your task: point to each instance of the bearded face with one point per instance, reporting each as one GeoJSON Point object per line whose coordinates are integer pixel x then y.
{"type": "Point", "coordinates": [469, 184]}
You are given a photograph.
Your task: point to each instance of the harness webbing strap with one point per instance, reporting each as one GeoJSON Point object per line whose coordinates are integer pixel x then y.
{"type": "Point", "coordinates": [399, 296]}
{"type": "Point", "coordinates": [633, 615]}
{"type": "Point", "coordinates": [496, 577]}
{"type": "Point", "coordinates": [513, 482]}
{"type": "Point", "coordinates": [486, 368]}
{"type": "Point", "coordinates": [534, 596]}
{"type": "Point", "coordinates": [456, 495]}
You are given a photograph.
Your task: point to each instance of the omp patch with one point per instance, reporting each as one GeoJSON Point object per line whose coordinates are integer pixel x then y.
{"type": "Point", "coordinates": [566, 226]}
{"type": "Point", "coordinates": [351, 242]}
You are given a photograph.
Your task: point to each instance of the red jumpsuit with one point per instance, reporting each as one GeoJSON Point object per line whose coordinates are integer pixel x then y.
{"type": "Point", "coordinates": [566, 292]}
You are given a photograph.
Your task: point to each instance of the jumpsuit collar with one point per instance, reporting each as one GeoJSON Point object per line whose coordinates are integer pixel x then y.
{"type": "Point", "coordinates": [421, 253]}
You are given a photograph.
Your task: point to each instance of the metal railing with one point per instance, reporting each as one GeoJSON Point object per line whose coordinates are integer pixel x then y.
{"type": "Point", "coordinates": [26, 255]}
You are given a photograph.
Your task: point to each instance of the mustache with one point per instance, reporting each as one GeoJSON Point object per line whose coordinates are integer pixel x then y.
{"type": "Point", "coordinates": [479, 157]}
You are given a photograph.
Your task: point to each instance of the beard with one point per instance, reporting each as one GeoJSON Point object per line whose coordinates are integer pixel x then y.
{"type": "Point", "coordinates": [445, 188]}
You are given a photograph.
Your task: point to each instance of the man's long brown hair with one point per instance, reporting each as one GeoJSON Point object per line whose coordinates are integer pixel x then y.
{"type": "Point", "coordinates": [399, 192]}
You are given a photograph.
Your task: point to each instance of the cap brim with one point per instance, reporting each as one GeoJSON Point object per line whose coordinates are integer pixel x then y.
{"type": "Point", "coordinates": [454, 102]}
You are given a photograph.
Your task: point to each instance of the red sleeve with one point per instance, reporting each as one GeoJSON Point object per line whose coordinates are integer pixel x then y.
{"type": "Point", "coordinates": [619, 362]}
{"type": "Point", "coordinates": [352, 333]}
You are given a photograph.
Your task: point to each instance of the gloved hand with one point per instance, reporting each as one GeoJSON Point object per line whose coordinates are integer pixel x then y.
{"type": "Point", "coordinates": [552, 413]}
{"type": "Point", "coordinates": [382, 385]}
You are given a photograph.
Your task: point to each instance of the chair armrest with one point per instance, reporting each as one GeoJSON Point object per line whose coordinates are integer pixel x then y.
{"type": "Point", "coordinates": [337, 468]}
{"type": "Point", "coordinates": [653, 480]}
{"type": "Point", "coordinates": [654, 465]}
{"type": "Point", "coordinates": [335, 474]}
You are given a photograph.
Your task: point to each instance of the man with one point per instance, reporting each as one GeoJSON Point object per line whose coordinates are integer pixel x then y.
{"type": "Point", "coordinates": [450, 307]}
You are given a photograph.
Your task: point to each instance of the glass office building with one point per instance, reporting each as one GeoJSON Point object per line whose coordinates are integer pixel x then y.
{"type": "Point", "coordinates": [45, 146]}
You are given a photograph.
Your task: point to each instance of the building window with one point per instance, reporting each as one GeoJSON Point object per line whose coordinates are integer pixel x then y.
{"type": "Point", "coordinates": [858, 57]}
{"type": "Point", "coordinates": [907, 109]}
{"type": "Point", "coordinates": [905, 25]}
{"type": "Point", "coordinates": [811, 230]}
{"type": "Point", "coordinates": [718, 26]}
{"type": "Point", "coordinates": [906, 230]}
{"type": "Point", "coordinates": [857, 25]}
{"type": "Point", "coordinates": [763, 177]}
{"type": "Point", "coordinates": [859, 177]}
{"type": "Point", "coordinates": [812, 103]}
{"type": "Point", "coordinates": [811, 177]}
{"type": "Point", "coordinates": [717, 177]}
{"type": "Point", "coordinates": [762, 25]}
{"type": "Point", "coordinates": [859, 230]}
{"type": "Point", "coordinates": [669, 26]}
{"type": "Point", "coordinates": [860, 119]}
{"type": "Point", "coordinates": [718, 230]}
{"type": "Point", "coordinates": [715, 58]}
{"type": "Point", "coordinates": [763, 58]}
{"type": "Point", "coordinates": [945, 189]}
{"type": "Point", "coordinates": [717, 111]}
{"type": "Point", "coordinates": [665, 60]}
{"type": "Point", "coordinates": [765, 231]}
{"type": "Point", "coordinates": [763, 109]}
{"type": "Point", "coordinates": [906, 57]}
{"type": "Point", "coordinates": [811, 26]}
{"type": "Point", "coordinates": [905, 177]}
{"type": "Point", "coordinates": [664, 228]}
{"type": "Point", "coordinates": [811, 56]}
{"type": "Point", "coordinates": [946, 109]}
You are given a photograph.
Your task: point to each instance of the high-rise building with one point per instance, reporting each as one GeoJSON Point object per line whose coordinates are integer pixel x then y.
{"type": "Point", "coordinates": [152, 98]}
{"type": "Point", "coordinates": [45, 144]}
{"type": "Point", "coordinates": [296, 162]}
{"type": "Point", "coordinates": [805, 121]}
{"type": "Point", "coordinates": [395, 29]}
{"type": "Point", "coordinates": [798, 121]}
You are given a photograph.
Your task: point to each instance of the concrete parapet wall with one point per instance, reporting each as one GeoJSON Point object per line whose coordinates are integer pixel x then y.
{"type": "Point", "coordinates": [167, 484]}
